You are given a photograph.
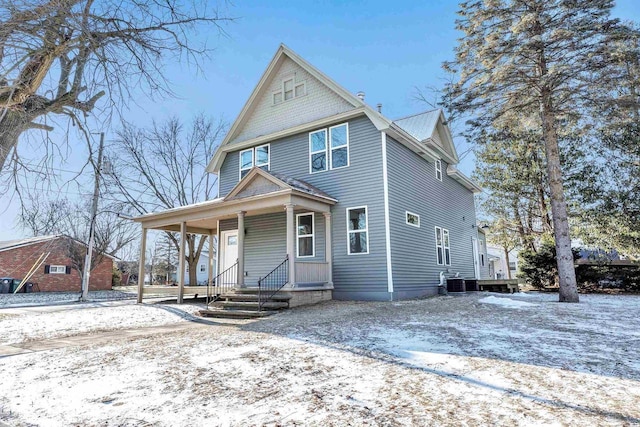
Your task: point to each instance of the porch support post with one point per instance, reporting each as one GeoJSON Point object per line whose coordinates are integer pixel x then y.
{"type": "Point", "coordinates": [241, 215]}
{"type": "Point", "coordinates": [143, 250]}
{"type": "Point", "coordinates": [211, 249]}
{"type": "Point", "coordinates": [181, 255]}
{"type": "Point", "coordinates": [291, 244]}
{"type": "Point", "coordinates": [328, 247]}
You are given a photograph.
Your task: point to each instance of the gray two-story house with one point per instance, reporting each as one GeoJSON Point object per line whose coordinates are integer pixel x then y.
{"type": "Point", "coordinates": [352, 204]}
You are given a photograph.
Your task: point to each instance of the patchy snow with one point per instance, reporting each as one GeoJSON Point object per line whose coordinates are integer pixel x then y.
{"type": "Point", "coordinates": [438, 361]}
{"type": "Point", "coordinates": [35, 323]}
{"type": "Point", "coordinates": [506, 302]}
{"type": "Point", "coordinates": [40, 298]}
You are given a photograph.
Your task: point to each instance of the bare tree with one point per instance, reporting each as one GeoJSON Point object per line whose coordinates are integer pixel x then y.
{"type": "Point", "coordinates": [59, 57]}
{"type": "Point", "coordinates": [164, 167]}
{"type": "Point", "coordinates": [73, 221]}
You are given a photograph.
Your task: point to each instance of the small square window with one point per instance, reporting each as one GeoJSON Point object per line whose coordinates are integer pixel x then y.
{"type": "Point", "coordinates": [413, 219]}
{"type": "Point", "coordinates": [277, 97]}
{"type": "Point", "coordinates": [300, 90]}
{"type": "Point", "coordinates": [202, 268]}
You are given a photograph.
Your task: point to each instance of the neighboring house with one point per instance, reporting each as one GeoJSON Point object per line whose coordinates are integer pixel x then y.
{"type": "Point", "coordinates": [202, 270]}
{"type": "Point", "coordinates": [17, 257]}
{"type": "Point", "coordinates": [498, 263]}
{"type": "Point", "coordinates": [363, 207]}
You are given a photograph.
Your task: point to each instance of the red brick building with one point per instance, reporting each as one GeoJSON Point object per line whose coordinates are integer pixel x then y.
{"type": "Point", "coordinates": [17, 257]}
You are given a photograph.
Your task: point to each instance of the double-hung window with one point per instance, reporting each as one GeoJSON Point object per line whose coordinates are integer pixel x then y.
{"type": "Point", "coordinates": [443, 248]}
{"type": "Point", "coordinates": [318, 151]}
{"type": "Point", "coordinates": [257, 156]}
{"type": "Point", "coordinates": [439, 170]}
{"type": "Point", "coordinates": [357, 231]}
{"type": "Point", "coordinates": [329, 148]}
{"type": "Point", "coordinates": [305, 235]}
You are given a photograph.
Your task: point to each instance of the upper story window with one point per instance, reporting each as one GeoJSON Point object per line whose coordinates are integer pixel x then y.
{"type": "Point", "coordinates": [439, 170]}
{"type": "Point", "coordinates": [413, 219]}
{"type": "Point", "coordinates": [443, 249]}
{"type": "Point", "coordinates": [202, 268]}
{"type": "Point", "coordinates": [290, 89]}
{"type": "Point", "coordinates": [329, 148]}
{"type": "Point", "coordinates": [357, 231]}
{"type": "Point", "coordinates": [305, 235]}
{"type": "Point", "coordinates": [257, 156]}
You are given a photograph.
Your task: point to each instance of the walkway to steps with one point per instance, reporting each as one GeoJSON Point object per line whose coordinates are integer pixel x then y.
{"type": "Point", "coordinates": [244, 304]}
{"type": "Point", "coordinates": [92, 338]}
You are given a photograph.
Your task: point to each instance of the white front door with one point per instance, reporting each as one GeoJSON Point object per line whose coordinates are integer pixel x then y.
{"type": "Point", "coordinates": [229, 254]}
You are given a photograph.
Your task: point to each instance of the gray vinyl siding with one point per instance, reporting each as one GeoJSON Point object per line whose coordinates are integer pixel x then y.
{"type": "Point", "coordinates": [265, 244]}
{"type": "Point", "coordinates": [362, 276]}
{"type": "Point", "coordinates": [413, 187]}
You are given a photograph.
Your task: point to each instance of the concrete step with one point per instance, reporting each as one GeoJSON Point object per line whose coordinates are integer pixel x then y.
{"type": "Point", "coordinates": [253, 297]}
{"type": "Point", "coordinates": [250, 305]}
{"type": "Point", "coordinates": [234, 314]}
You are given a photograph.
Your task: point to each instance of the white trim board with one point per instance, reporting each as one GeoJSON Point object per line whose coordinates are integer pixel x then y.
{"type": "Point", "coordinates": [387, 229]}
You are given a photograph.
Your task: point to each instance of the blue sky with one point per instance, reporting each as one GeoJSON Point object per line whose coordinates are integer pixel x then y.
{"type": "Point", "coordinates": [385, 49]}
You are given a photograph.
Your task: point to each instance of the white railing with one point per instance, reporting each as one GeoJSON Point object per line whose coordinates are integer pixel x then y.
{"type": "Point", "coordinates": [312, 272]}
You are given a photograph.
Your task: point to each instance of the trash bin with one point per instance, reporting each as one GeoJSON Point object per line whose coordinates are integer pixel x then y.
{"type": "Point", "coordinates": [28, 287]}
{"type": "Point", "coordinates": [14, 285]}
{"type": "Point", "coordinates": [5, 285]}
{"type": "Point", "coordinates": [455, 284]}
{"type": "Point", "coordinates": [471, 285]}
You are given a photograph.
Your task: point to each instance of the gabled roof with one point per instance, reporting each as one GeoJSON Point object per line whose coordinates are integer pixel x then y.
{"type": "Point", "coordinates": [433, 142]}
{"type": "Point", "coordinates": [430, 127]}
{"type": "Point", "coordinates": [280, 182]}
{"type": "Point", "coordinates": [18, 243]}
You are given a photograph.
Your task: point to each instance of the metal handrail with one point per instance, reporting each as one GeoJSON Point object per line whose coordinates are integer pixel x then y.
{"type": "Point", "coordinates": [273, 282]}
{"type": "Point", "coordinates": [222, 283]}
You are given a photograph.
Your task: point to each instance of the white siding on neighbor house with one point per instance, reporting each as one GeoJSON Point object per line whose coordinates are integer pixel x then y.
{"type": "Point", "coordinates": [266, 118]}
{"type": "Point", "coordinates": [447, 204]}
{"type": "Point", "coordinates": [362, 276]}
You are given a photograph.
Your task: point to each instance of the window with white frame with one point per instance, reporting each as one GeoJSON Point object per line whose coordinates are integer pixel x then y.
{"type": "Point", "coordinates": [439, 170]}
{"type": "Point", "coordinates": [290, 89]}
{"type": "Point", "coordinates": [329, 148]}
{"type": "Point", "coordinates": [339, 137]}
{"type": "Point", "coordinates": [318, 151]}
{"type": "Point", "coordinates": [413, 219]}
{"type": "Point", "coordinates": [357, 231]}
{"type": "Point", "coordinates": [202, 268]}
{"type": "Point", "coordinates": [443, 248]}
{"type": "Point", "coordinates": [305, 235]}
{"type": "Point", "coordinates": [57, 269]}
{"type": "Point", "coordinates": [257, 156]}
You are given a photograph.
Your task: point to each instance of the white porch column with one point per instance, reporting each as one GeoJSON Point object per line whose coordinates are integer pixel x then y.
{"type": "Point", "coordinates": [291, 244]}
{"type": "Point", "coordinates": [143, 250]}
{"type": "Point", "coordinates": [328, 246]}
{"type": "Point", "coordinates": [181, 255]}
{"type": "Point", "coordinates": [211, 248]}
{"type": "Point", "coordinates": [241, 215]}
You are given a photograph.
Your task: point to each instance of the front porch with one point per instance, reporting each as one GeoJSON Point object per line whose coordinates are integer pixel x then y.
{"type": "Point", "coordinates": [265, 220]}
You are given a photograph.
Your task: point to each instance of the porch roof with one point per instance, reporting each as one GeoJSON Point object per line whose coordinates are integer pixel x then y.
{"type": "Point", "coordinates": [259, 192]}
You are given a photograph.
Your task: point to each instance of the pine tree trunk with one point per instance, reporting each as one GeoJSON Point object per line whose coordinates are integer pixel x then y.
{"type": "Point", "coordinates": [506, 258]}
{"type": "Point", "coordinates": [566, 270]}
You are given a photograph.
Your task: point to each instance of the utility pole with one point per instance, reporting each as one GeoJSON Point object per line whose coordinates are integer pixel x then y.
{"type": "Point", "coordinates": [94, 211]}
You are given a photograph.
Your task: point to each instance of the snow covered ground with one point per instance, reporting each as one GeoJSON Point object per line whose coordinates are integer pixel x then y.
{"type": "Point", "coordinates": [37, 298]}
{"type": "Point", "coordinates": [464, 360]}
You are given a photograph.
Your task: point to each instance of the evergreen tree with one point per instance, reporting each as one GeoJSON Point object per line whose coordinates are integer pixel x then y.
{"type": "Point", "coordinates": [536, 58]}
